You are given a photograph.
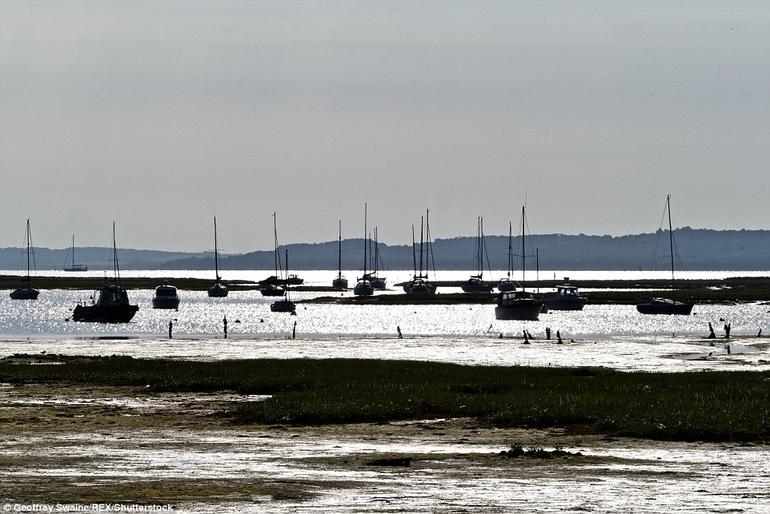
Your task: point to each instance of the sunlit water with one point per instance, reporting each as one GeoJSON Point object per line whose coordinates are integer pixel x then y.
{"type": "Point", "coordinates": [609, 335]}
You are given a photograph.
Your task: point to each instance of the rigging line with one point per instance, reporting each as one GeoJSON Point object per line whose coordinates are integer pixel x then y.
{"type": "Point", "coordinates": [658, 235]}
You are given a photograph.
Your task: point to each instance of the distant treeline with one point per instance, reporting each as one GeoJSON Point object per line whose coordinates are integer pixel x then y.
{"type": "Point", "coordinates": [696, 249]}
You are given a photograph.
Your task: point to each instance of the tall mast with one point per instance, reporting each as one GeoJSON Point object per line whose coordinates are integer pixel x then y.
{"type": "Point", "coordinates": [365, 215]}
{"type": "Point", "coordinates": [216, 251]}
{"type": "Point", "coordinates": [422, 224]}
{"type": "Point", "coordinates": [481, 246]}
{"type": "Point", "coordinates": [670, 239]}
{"type": "Point", "coordinates": [276, 258]}
{"type": "Point", "coordinates": [510, 256]}
{"type": "Point", "coordinates": [376, 252]}
{"type": "Point", "coordinates": [339, 252]}
{"type": "Point", "coordinates": [28, 246]}
{"type": "Point", "coordinates": [430, 245]}
{"type": "Point", "coordinates": [115, 266]}
{"type": "Point", "coordinates": [286, 261]}
{"type": "Point", "coordinates": [414, 253]}
{"type": "Point", "coordinates": [523, 253]}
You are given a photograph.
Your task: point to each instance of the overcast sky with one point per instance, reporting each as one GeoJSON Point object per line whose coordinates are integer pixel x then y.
{"type": "Point", "coordinates": [159, 114]}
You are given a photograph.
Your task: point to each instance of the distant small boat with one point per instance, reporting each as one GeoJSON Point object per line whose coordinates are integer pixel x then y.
{"type": "Point", "coordinates": [70, 264]}
{"type": "Point", "coordinates": [667, 305]}
{"type": "Point", "coordinates": [218, 290]}
{"type": "Point", "coordinates": [340, 282]}
{"type": "Point", "coordinates": [566, 298]}
{"type": "Point", "coordinates": [363, 285]}
{"type": "Point", "coordinates": [476, 283]}
{"type": "Point", "coordinates": [112, 304]}
{"type": "Point", "coordinates": [166, 297]}
{"type": "Point", "coordinates": [26, 292]}
{"type": "Point", "coordinates": [519, 305]}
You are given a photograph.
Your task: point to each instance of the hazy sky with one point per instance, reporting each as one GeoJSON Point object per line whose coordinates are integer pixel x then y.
{"type": "Point", "coordinates": [159, 114]}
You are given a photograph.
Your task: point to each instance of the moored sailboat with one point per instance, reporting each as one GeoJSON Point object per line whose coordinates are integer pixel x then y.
{"type": "Point", "coordinates": [218, 290]}
{"type": "Point", "coordinates": [70, 264]}
{"type": "Point", "coordinates": [519, 305]}
{"type": "Point", "coordinates": [284, 304]}
{"type": "Point", "coordinates": [271, 285]}
{"type": "Point", "coordinates": [476, 283]}
{"type": "Point", "coordinates": [26, 292]}
{"type": "Point", "coordinates": [112, 304]}
{"type": "Point", "coordinates": [363, 286]}
{"type": "Point", "coordinates": [667, 305]}
{"type": "Point", "coordinates": [340, 282]}
{"type": "Point", "coordinates": [419, 285]}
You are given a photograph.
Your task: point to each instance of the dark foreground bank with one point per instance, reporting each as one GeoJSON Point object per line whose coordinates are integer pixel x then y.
{"type": "Point", "coordinates": [717, 406]}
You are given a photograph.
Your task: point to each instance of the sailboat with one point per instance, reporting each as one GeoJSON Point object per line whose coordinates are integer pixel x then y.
{"type": "Point", "coordinates": [476, 283]}
{"type": "Point", "coordinates": [69, 265]}
{"type": "Point", "coordinates": [112, 305]}
{"type": "Point", "coordinates": [376, 281]}
{"type": "Point", "coordinates": [363, 286]}
{"type": "Point", "coordinates": [419, 285]}
{"type": "Point", "coordinates": [270, 286]}
{"type": "Point", "coordinates": [284, 304]}
{"type": "Point", "coordinates": [26, 292]}
{"type": "Point", "coordinates": [218, 290]}
{"type": "Point", "coordinates": [506, 284]}
{"type": "Point", "coordinates": [519, 305]}
{"type": "Point", "coordinates": [340, 282]}
{"type": "Point", "coordinates": [667, 305]}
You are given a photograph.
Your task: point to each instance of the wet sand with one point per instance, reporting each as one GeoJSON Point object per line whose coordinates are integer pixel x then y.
{"type": "Point", "coordinates": [73, 444]}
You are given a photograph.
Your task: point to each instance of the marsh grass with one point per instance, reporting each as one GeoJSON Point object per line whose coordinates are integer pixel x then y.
{"type": "Point", "coordinates": [676, 406]}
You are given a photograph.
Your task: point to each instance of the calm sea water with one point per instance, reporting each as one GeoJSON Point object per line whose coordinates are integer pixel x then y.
{"type": "Point", "coordinates": [611, 335]}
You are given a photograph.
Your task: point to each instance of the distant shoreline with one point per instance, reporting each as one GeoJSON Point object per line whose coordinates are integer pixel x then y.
{"type": "Point", "coordinates": [715, 291]}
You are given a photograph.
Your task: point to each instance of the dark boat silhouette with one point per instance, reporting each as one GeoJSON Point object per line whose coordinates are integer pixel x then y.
{"type": "Point", "coordinates": [520, 304]}
{"type": "Point", "coordinates": [419, 285]}
{"type": "Point", "coordinates": [284, 304]}
{"type": "Point", "coordinates": [271, 285]}
{"type": "Point", "coordinates": [111, 305]}
{"type": "Point", "coordinates": [566, 298]}
{"type": "Point", "coordinates": [476, 283]}
{"type": "Point", "coordinates": [363, 285]}
{"type": "Point", "coordinates": [218, 290]}
{"type": "Point", "coordinates": [26, 292]}
{"type": "Point", "coordinates": [667, 305]}
{"type": "Point", "coordinates": [340, 282]}
{"type": "Point", "coordinates": [166, 297]}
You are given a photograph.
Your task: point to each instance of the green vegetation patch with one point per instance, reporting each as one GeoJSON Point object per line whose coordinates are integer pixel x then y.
{"type": "Point", "coordinates": [677, 406]}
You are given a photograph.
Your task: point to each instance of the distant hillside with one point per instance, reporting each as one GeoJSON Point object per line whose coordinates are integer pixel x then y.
{"type": "Point", "coordinates": [698, 249]}
{"type": "Point", "coordinates": [95, 258]}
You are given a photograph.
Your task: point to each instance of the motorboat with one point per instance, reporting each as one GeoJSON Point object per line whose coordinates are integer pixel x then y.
{"type": "Point", "coordinates": [566, 298]}
{"type": "Point", "coordinates": [166, 297]}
